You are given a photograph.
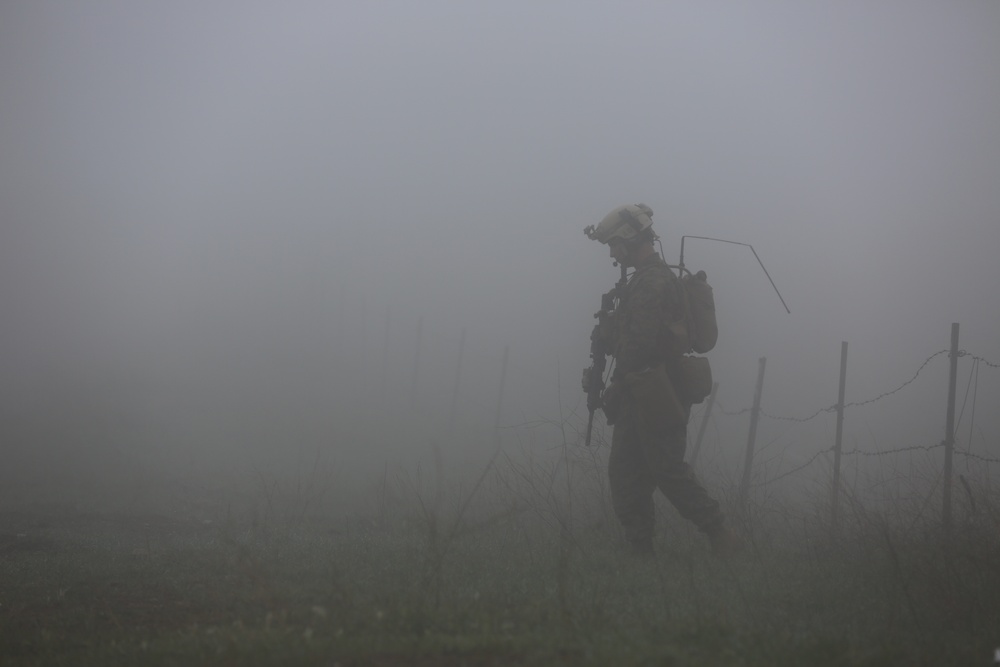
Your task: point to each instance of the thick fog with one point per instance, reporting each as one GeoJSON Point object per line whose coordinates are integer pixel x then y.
{"type": "Point", "coordinates": [239, 234]}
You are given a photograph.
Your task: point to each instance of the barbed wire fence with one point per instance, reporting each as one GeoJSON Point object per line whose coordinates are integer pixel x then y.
{"type": "Point", "coordinates": [753, 475]}
{"type": "Point", "coordinates": [839, 408]}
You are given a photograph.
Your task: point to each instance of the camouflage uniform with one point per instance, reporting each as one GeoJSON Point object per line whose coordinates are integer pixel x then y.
{"type": "Point", "coordinates": [650, 421]}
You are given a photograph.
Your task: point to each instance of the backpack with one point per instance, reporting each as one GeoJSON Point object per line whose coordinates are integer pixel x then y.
{"type": "Point", "coordinates": [693, 375]}
{"type": "Point", "coordinates": [699, 304]}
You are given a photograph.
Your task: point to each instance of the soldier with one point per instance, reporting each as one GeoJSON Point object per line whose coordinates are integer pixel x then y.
{"type": "Point", "coordinates": [646, 399]}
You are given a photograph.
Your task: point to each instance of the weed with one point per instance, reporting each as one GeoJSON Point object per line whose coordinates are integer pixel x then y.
{"type": "Point", "coordinates": [520, 567]}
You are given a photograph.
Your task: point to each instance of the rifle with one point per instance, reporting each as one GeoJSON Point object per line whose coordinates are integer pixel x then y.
{"type": "Point", "coordinates": [593, 377]}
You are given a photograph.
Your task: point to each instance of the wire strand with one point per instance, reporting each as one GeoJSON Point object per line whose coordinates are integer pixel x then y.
{"type": "Point", "coordinates": [963, 353]}
{"type": "Point", "coordinates": [833, 408]}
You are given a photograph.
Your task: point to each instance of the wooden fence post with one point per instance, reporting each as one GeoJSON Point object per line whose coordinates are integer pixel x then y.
{"type": "Point", "coordinates": [751, 439]}
{"type": "Point", "coordinates": [835, 504]}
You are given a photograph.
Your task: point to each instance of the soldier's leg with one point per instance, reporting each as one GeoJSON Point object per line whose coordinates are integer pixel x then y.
{"type": "Point", "coordinates": [632, 486]}
{"type": "Point", "coordinates": [676, 479]}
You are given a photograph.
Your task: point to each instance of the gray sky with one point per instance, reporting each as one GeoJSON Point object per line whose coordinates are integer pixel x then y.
{"type": "Point", "coordinates": [242, 183]}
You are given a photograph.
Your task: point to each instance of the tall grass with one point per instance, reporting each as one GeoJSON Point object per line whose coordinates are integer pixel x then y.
{"type": "Point", "coordinates": [517, 563]}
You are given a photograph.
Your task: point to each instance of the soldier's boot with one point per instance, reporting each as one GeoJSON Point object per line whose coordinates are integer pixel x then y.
{"type": "Point", "coordinates": [725, 543]}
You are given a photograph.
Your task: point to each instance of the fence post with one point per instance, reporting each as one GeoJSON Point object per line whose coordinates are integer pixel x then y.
{"type": "Point", "coordinates": [385, 357]}
{"type": "Point", "coordinates": [416, 363]}
{"type": "Point", "coordinates": [949, 436]}
{"type": "Point", "coordinates": [704, 424]}
{"type": "Point", "coordinates": [458, 379]}
{"type": "Point", "coordinates": [835, 506]}
{"type": "Point", "coordinates": [751, 439]}
{"type": "Point", "coordinates": [503, 380]}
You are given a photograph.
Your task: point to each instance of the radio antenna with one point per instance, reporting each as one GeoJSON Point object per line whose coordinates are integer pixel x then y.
{"type": "Point", "coordinates": [708, 238]}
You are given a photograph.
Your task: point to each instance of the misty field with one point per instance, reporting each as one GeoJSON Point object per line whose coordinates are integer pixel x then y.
{"type": "Point", "coordinates": [521, 565]}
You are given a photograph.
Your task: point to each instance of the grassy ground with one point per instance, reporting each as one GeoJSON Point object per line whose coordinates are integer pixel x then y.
{"type": "Point", "coordinates": [518, 585]}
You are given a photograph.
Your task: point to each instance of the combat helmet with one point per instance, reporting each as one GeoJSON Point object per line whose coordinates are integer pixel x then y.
{"type": "Point", "coordinates": [624, 223]}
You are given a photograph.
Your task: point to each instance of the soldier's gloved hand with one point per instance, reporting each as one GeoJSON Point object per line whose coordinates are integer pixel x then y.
{"type": "Point", "coordinates": [586, 380]}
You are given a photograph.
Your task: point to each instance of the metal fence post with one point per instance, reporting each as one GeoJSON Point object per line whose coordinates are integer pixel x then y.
{"type": "Point", "coordinates": [503, 381]}
{"type": "Point", "coordinates": [458, 381]}
{"type": "Point", "coordinates": [949, 437]}
{"type": "Point", "coordinates": [835, 505]}
{"type": "Point", "coordinates": [704, 424]}
{"type": "Point", "coordinates": [751, 439]}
